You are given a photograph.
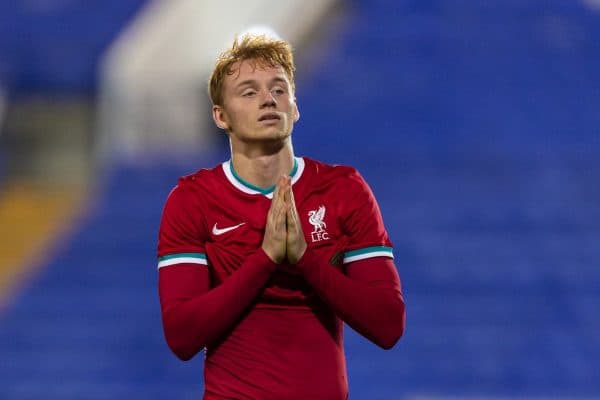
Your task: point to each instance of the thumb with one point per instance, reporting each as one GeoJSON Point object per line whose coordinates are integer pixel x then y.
{"type": "Point", "coordinates": [291, 221]}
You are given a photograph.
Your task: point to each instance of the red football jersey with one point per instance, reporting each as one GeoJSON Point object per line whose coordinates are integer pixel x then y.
{"type": "Point", "coordinates": [288, 343]}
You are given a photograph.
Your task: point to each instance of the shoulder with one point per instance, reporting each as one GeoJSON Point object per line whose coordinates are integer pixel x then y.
{"type": "Point", "coordinates": [343, 177]}
{"type": "Point", "coordinates": [191, 186]}
{"type": "Point", "coordinates": [201, 177]}
{"type": "Point", "coordinates": [326, 170]}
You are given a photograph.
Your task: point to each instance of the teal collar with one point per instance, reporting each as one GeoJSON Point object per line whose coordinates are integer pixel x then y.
{"type": "Point", "coordinates": [247, 187]}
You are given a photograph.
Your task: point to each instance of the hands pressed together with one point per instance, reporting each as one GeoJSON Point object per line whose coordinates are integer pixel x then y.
{"type": "Point", "coordinates": [283, 238]}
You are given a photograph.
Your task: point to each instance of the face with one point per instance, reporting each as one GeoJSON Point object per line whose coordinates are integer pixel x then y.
{"type": "Point", "coordinates": [258, 104]}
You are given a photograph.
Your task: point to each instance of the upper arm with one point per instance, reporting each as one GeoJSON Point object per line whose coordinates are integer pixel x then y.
{"type": "Point", "coordinates": [182, 259]}
{"type": "Point", "coordinates": [362, 223]}
{"type": "Point", "coordinates": [182, 234]}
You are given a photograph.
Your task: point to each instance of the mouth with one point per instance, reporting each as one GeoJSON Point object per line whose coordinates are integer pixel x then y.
{"type": "Point", "coordinates": [269, 117]}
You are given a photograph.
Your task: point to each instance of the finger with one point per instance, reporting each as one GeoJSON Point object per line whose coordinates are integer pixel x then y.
{"type": "Point", "coordinates": [273, 216]}
{"type": "Point", "coordinates": [286, 194]}
{"type": "Point", "coordinates": [276, 201]}
{"type": "Point", "coordinates": [281, 211]}
{"type": "Point", "coordinates": [280, 190]}
{"type": "Point", "coordinates": [282, 199]}
{"type": "Point", "coordinates": [289, 218]}
{"type": "Point", "coordinates": [276, 193]}
{"type": "Point", "coordinates": [292, 220]}
{"type": "Point", "coordinates": [291, 198]}
{"type": "Point", "coordinates": [292, 202]}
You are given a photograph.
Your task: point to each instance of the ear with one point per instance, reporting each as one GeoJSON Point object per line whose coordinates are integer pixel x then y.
{"type": "Point", "coordinates": [296, 112]}
{"type": "Point", "coordinates": [219, 117]}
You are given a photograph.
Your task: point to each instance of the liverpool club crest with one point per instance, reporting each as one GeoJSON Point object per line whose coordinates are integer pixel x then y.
{"type": "Point", "coordinates": [316, 217]}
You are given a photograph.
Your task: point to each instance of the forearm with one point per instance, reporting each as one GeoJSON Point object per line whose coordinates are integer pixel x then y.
{"type": "Point", "coordinates": [370, 302]}
{"type": "Point", "coordinates": [195, 320]}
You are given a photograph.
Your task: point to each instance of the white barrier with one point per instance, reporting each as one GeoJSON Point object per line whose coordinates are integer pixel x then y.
{"type": "Point", "coordinates": [153, 99]}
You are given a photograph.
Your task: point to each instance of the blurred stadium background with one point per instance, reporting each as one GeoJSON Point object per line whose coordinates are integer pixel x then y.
{"type": "Point", "coordinates": [477, 124]}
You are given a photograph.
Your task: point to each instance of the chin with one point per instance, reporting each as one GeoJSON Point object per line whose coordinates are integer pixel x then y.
{"type": "Point", "coordinates": [275, 134]}
{"type": "Point", "coordinates": [267, 137]}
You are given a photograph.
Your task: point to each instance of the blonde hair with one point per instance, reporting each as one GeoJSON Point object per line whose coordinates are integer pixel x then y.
{"type": "Point", "coordinates": [258, 48]}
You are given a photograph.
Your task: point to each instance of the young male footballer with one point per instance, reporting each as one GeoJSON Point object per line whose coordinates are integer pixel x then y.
{"type": "Point", "coordinates": [262, 258]}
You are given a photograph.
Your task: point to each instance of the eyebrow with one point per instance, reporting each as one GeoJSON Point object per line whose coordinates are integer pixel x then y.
{"type": "Point", "coordinates": [253, 81]}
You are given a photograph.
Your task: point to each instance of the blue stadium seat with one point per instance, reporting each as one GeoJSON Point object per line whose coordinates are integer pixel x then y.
{"type": "Point", "coordinates": [54, 47]}
{"type": "Point", "coordinates": [477, 128]}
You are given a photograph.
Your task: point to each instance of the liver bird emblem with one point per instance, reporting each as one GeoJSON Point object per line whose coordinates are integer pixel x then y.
{"type": "Point", "coordinates": [315, 217]}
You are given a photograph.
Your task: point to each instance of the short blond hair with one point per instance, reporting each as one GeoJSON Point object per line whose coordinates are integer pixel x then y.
{"type": "Point", "coordinates": [260, 48]}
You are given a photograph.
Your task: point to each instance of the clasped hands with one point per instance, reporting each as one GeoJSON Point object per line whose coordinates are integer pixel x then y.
{"type": "Point", "coordinates": [283, 238]}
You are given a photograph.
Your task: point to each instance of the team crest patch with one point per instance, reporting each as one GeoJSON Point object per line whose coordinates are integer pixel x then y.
{"type": "Point", "coordinates": [316, 219]}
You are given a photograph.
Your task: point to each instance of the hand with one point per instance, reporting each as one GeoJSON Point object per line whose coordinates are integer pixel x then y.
{"type": "Point", "coordinates": [295, 243]}
{"type": "Point", "coordinates": [274, 241]}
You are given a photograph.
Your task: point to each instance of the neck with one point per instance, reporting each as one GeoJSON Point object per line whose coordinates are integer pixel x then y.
{"type": "Point", "coordinates": [263, 165]}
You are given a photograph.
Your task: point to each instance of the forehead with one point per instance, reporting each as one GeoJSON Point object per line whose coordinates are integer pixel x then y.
{"type": "Point", "coordinates": [253, 70]}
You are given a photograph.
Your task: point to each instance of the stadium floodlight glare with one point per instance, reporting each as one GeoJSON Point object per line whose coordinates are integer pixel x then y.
{"type": "Point", "coordinates": [258, 30]}
{"type": "Point", "coordinates": [254, 30]}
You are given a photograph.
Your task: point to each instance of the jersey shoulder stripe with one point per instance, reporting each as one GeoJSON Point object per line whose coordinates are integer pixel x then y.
{"type": "Point", "coordinates": [368, 252]}
{"type": "Point", "coordinates": [181, 258]}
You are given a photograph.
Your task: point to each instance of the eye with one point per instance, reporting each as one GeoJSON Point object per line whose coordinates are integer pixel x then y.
{"type": "Point", "coordinates": [249, 93]}
{"type": "Point", "coordinates": [278, 91]}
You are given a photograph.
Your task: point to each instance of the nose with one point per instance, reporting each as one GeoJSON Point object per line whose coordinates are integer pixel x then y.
{"type": "Point", "coordinates": [268, 100]}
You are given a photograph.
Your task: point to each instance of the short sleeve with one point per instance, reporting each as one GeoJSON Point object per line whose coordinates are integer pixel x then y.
{"type": "Point", "coordinates": [182, 233]}
{"type": "Point", "coordinates": [362, 222]}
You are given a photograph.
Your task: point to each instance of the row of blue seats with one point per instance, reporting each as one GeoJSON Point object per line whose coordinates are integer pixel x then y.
{"type": "Point", "coordinates": [54, 47]}
{"type": "Point", "coordinates": [490, 201]}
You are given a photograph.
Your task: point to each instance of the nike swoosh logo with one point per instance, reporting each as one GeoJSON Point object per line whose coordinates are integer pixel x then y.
{"type": "Point", "coordinates": [217, 231]}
